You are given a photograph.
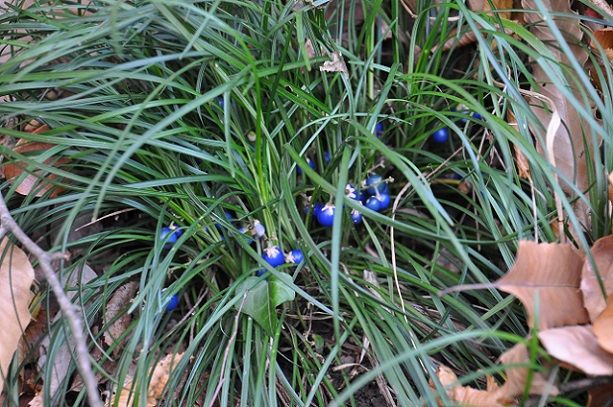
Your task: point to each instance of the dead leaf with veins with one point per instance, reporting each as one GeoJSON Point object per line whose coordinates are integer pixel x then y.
{"type": "Point", "coordinates": [603, 327]}
{"type": "Point", "coordinates": [117, 304]}
{"type": "Point", "coordinates": [549, 273]}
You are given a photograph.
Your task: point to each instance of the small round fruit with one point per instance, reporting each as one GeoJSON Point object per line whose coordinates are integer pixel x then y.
{"type": "Point", "coordinates": [172, 233]}
{"type": "Point", "coordinates": [173, 303]}
{"type": "Point", "coordinates": [373, 204]}
{"type": "Point", "coordinates": [441, 135]}
{"type": "Point", "coordinates": [375, 184]}
{"type": "Point", "coordinates": [325, 217]}
{"type": "Point", "coordinates": [327, 157]}
{"type": "Point", "coordinates": [356, 217]}
{"type": "Point", "coordinates": [273, 256]}
{"type": "Point", "coordinates": [311, 164]}
{"type": "Point", "coordinates": [294, 257]}
{"type": "Point", "coordinates": [379, 129]}
{"type": "Point", "coordinates": [385, 200]}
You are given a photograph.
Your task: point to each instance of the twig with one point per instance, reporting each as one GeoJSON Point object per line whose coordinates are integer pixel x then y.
{"type": "Point", "coordinates": [585, 384]}
{"type": "Point", "coordinates": [8, 224]}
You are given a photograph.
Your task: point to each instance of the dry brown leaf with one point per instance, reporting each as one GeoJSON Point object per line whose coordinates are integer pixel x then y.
{"type": "Point", "coordinates": [568, 150]}
{"type": "Point", "coordinates": [308, 46]}
{"type": "Point", "coordinates": [37, 400]}
{"type": "Point", "coordinates": [118, 302]}
{"type": "Point", "coordinates": [33, 182]}
{"type": "Point", "coordinates": [604, 37]}
{"type": "Point", "coordinates": [496, 395]}
{"type": "Point", "coordinates": [16, 278]}
{"type": "Point", "coordinates": [603, 327]}
{"type": "Point", "coordinates": [336, 64]}
{"type": "Point", "coordinates": [578, 347]}
{"type": "Point", "coordinates": [602, 252]}
{"type": "Point", "coordinates": [600, 396]}
{"type": "Point", "coordinates": [550, 272]}
{"type": "Point", "coordinates": [159, 379]}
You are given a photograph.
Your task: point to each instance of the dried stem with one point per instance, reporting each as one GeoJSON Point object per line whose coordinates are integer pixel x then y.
{"type": "Point", "coordinates": [70, 312]}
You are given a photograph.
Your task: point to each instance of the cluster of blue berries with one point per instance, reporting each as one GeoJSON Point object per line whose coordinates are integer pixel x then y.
{"type": "Point", "coordinates": [374, 195]}
{"type": "Point", "coordinates": [274, 256]}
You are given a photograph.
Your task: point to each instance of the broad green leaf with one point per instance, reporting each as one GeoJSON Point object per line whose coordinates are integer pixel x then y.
{"type": "Point", "coordinates": [263, 297]}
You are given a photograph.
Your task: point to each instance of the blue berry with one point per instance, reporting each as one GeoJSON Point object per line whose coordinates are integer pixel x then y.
{"type": "Point", "coordinates": [379, 129]}
{"type": "Point", "coordinates": [173, 303]}
{"type": "Point", "coordinates": [172, 233]}
{"type": "Point", "coordinates": [441, 135]}
{"type": "Point", "coordinates": [356, 217]}
{"type": "Point", "coordinates": [373, 204]}
{"type": "Point", "coordinates": [294, 257]}
{"type": "Point", "coordinates": [260, 272]}
{"type": "Point", "coordinates": [385, 200]}
{"type": "Point", "coordinates": [477, 116]}
{"type": "Point", "coordinates": [273, 256]}
{"type": "Point", "coordinates": [327, 157]}
{"type": "Point", "coordinates": [376, 184]}
{"type": "Point", "coordinates": [325, 217]}
{"type": "Point", "coordinates": [311, 164]}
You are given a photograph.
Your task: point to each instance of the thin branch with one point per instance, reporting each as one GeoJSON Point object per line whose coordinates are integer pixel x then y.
{"type": "Point", "coordinates": [70, 312]}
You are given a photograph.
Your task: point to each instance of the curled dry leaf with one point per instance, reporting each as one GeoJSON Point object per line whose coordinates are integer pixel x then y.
{"type": "Point", "coordinates": [495, 395]}
{"type": "Point", "coordinates": [549, 273]}
{"type": "Point", "coordinates": [16, 277]}
{"type": "Point", "coordinates": [118, 302]}
{"type": "Point", "coordinates": [336, 64]}
{"type": "Point", "coordinates": [578, 347]}
{"type": "Point", "coordinates": [602, 252]}
{"type": "Point", "coordinates": [603, 327]}
{"type": "Point", "coordinates": [159, 378]}
{"type": "Point", "coordinates": [568, 151]}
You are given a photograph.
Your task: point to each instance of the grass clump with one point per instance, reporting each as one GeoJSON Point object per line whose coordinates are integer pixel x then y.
{"type": "Point", "coordinates": [200, 114]}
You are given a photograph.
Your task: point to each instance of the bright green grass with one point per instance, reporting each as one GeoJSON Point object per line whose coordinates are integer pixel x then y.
{"type": "Point", "coordinates": [144, 129]}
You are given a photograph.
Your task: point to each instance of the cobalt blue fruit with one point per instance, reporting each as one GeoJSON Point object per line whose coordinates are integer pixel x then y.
{"type": "Point", "coordinates": [375, 184]}
{"type": "Point", "coordinates": [379, 130]}
{"type": "Point", "coordinates": [315, 208]}
{"type": "Point", "coordinates": [327, 157]}
{"type": "Point", "coordinates": [173, 233]}
{"type": "Point", "coordinates": [273, 256]}
{"type": "Point", "coordinates": [294, 257]}
{"type": "Point", "coordinates": [311, 164]}
{"type": "Point", "coordinates": [173, 303]}
{"type": "Point", "coordinates": [385, 200]}
{"type": "Point", "coordinates": [441, 135]}
{"type": "Point", "coordinates": [373, 204]}
{"type": "Point", "coordinates": [356, 217]}
{"type": "Point", "coordinates": [325, 217]}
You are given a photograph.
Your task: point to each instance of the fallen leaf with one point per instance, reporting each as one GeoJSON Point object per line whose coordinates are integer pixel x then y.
{"type": "Point", "coordinates": [159, 378]}
{"type": "Point", "coordinates": [568, 151]}
{"type": "Point", "coordinates": [495, 395]}
{"type": "Point", "coordinates": [336, 64]}
{"type": "Point", "coordinates": [604, 38]}
{"type": "Point", "coordinates": [600, 396]}
{"type": "Point", "coordinates": [485, 6]}
{"type": "Point", "coordinates": [16, 278]}
{"type": "Point", "coordinates": [308, 46]}
{"type": "Point", "coordinates": [121, 298]}
{"type": "Point", "coordinates": [602, 252]}
{"type": "Point", "coordinates": [34, 181]}
{"type": "Point", "coordinates": [603, 327]}
{"type": "Point", "coordinates": [549, 273]}
{"type": "Point", "coordinates": [578, 347]}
